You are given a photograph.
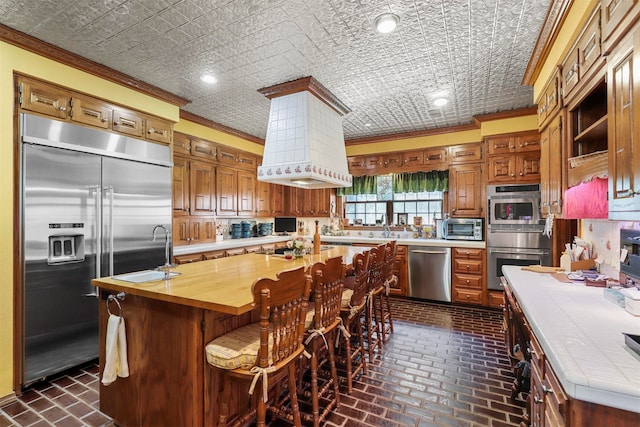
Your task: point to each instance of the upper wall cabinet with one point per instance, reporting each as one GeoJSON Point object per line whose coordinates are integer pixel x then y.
{"type": "Point", "coordinates": [584, 59]}
{"type": "Point", "coordinates": [624, 133]}
{"type": "Point", "coordinates": [513, 158]}
{"type": "Point", "coordinates": [550, 102]}
{"type": "Point", "coordinates": [618, 16]}
{"type": "Point", "coordinates": [51, 100]}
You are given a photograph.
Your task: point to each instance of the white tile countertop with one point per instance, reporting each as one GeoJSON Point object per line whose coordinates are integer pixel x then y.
{"type": "Point", "coordinates": [235, 243]}
{"type": "Point", "coordinates": [581, 334]}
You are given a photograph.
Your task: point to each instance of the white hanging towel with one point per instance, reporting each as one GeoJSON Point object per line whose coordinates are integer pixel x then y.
{"type": "Point", "coordinates": [115, 364]}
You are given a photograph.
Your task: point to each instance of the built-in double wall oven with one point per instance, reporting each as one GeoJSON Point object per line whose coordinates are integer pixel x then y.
{"type": "Point", "coordinates": [514, 230]}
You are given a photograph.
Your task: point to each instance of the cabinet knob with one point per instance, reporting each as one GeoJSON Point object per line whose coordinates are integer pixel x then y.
{"type": "Point", "coordinates": [116, 123]}
{"type": "Point", "coordinates": [151, 130]}
{"type": "Point", "coordinates": [62, 108]}
{"type": "Point", "coordinates": [467, 281]}
{"type": "Point", "coordinates": [521, 173]}
{"type": "Point", "coordinates": [547, 389]}
{"type": "Point", "coordinates": [537, 399]}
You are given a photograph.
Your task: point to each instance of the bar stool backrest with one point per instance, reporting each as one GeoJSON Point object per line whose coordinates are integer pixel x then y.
{"type": "Point", "coordinates": [328, 281]}
{"type": "Point", "coordinates": [282, 305]}
{"type": "Point", "coordinates": [361, 282]}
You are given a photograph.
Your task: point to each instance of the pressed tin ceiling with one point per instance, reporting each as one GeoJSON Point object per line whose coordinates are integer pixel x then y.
{"type": "Point", "coordinates": [473, 52]}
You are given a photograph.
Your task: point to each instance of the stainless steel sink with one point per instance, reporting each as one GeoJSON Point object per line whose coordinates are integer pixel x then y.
{"type": "Point", "coordinates": [143, 276]}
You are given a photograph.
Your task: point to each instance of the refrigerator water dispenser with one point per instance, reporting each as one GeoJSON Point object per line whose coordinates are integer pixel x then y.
{"type": "Point", "coordinates": [66, 248]}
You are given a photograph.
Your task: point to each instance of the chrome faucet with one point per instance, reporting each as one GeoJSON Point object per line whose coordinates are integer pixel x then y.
{"type": "Point", "coordinates": [386, 233]}
{"type": "Point", "coordinates": [167, 263]}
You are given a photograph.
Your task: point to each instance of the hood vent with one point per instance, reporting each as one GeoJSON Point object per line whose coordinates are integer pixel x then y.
{"type": "Point", "coordinates": [304, 146]}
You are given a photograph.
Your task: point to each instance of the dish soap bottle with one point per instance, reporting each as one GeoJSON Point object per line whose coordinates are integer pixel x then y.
{"type": "Point", "coordinates": [565, 262]}
{"type": "Point", "coordinates": [316, 240]}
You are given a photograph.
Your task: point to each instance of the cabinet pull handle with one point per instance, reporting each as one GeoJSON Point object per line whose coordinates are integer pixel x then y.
{"type": "Point", "coordinates": [536, 399]}
{"type": "Point", "coordinates": [546, 389]}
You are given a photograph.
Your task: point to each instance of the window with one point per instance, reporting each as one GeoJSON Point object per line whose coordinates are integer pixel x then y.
{"type": "Point", "coordinates": [372, 208]}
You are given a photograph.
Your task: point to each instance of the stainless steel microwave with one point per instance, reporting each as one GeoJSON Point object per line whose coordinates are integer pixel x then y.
{"type": "Point", "coordinates": [462, 229]}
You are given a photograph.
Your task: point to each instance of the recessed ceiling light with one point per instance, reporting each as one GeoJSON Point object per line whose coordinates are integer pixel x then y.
{"type": "Point", "coordinates": [367, 124]}
{"type": "Point", "coordinates": [208, 78]}
{"type": "Point", "coordinates": [386, 22]}
{"type": "Point", "coordinates": [440, 102]}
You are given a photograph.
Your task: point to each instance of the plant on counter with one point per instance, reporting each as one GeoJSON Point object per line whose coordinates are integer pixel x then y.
{"type": "Point", "coordinates": [300, 246]}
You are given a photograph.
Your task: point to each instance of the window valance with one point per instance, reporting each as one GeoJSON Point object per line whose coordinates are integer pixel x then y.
{"type": "Point", "coordinates": [407, 182]}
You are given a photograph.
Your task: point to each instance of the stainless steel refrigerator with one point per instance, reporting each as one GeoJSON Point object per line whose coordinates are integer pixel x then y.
{"type": "Point", "coordinates": [90, 201]}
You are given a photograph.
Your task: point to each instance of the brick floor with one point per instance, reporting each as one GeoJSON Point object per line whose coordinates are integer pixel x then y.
{"type": "Point", "coordinates": [443, 366]}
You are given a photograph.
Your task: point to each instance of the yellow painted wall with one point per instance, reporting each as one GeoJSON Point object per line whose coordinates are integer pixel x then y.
{"type": "Point", "coordinates": [18, 60]}
{"type": "Point", "coordinates": [493, 127]}
{"type": "Point", "coordinates": [197, 130]}
{"type": "Point", "coordinates": [576, 18]}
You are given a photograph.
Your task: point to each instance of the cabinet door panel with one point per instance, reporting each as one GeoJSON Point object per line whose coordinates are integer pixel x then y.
{"type": "Point", "coordinates": [91, 112]}
{"type": "Point", "coordinates": [246, 193]}
{"type": "Point", "coordinates": [128, 122]}
{"type": "Point", "coordinates": [202, 185]}
{"type": "Point", "coordinates": [181, 189]}
{"type": "Point", "coordinates": [227, 187]}
{"type": "Point", "coordinates": [502, 168]}
{"type": "Point", "coordinates": [45, 99]}
{"type": "Point", "coordinates": [203, 149]}
{"type": "Point", "coordinates": [466, 190]}
{"type": "Point", "coordinates": [158, 130]}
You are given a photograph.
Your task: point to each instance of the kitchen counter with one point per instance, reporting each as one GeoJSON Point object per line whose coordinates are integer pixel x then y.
{"type": "Point", "coordinates": [345, 240]}
{"type": "Point", "coordinates": [581, 334]}
{"type": "Point", "coordinates": [168, 325]}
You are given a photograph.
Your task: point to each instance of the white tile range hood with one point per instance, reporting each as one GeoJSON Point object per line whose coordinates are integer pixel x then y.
{"type": "Point", "coordinates": [304, 146]}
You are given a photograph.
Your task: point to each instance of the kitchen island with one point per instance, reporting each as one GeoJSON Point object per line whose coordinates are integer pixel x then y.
{"type": "Point", "coordinates": [579, 333]}
{"type": "Point", "coordinates": [168, 324]}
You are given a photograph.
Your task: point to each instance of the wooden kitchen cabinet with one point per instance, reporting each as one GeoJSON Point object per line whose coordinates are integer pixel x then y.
{"type": "Point", "coordinates": [400, 269]}
{"type": "Point", "coordinates": [229, 157]}
{"type": "Point", "coordinates": [584, 58]}
{"type": "Point", "coordinates": [550, 101]}
{"type": "Point", "coordinates": [466, 153]}
{"type": "Point", "coordinates": [44, 98]}
{"type": "Point", "coordinates": [278, 200]}
{"type": "Point", "coordinates": [623, 85]}
{"type": "Point", "coordinates": [513, 158]}
{"type": "Point", "coordinates": [202, 177]}
{"type": "Point", "coordinates": [90, 111]}
{"type": "Point", "coordinates": [181, 188]}
{"type": "Point", "coordinates": [202, 149]}
{"type": "Point", "coordinates": [65, 104]}
{"type": "Point", "coordinates": [364, 165]}
{"type": "Point", "coordinates": [393, 161]}
{"type": "Point", "coordinates": [235, 190]}
{"type": "Point", "coordinates": [552, 165]}
{"type": "Point", "coordinates": [263, 198]}
{"type": "Point", "coordinates": [466, 190]}
{"type": "Point", "coordinates": [193, 230]}
{"type": "Point", "coordinates": [436, 158]}
{"type": "Point", "coordinates": [412, 159]}
{"type": "Point", "coordinates": [468, 282]}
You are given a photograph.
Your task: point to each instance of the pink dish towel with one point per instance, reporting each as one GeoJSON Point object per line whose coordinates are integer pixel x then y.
{"type": "Point", "coordinates": [115, 364]}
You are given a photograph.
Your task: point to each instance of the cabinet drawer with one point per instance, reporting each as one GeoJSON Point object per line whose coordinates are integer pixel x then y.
{"type": "Point", "coordinates": [188, 258]}
{"type": "Point", "coordinates": [91, 112]}
{"type": "Point", "coordinates": [468, 253]}
{"type": "Point", "coordinates": [214, 254]}
{"type": "Point", "coordinates": [469, 266]}
{"type": "Point", "coordinates": [128, 122]}
{"type": "Point", "coordinates": [496, 299]}
{"type": "Point", "coordinates": [393, 161]}
{"type": "Point", "coordinates": [43, 98]}
{"type": "Point", "coordinates": [203, 149]}
{"type": "Point", "coordinates": [181, 144]}
{"type": "Point", "coordinates": [501, 145]}
{"type": "Point", "coordinates": [436, 158]}
{"type": "Point", "coordinates": [467, 281]}
{"type": "Point", "coordinates": [413, 158]}
{"type": "Point", "coordinates": [158, 130]}
{"type": "Point", "coordinates": [467, 296]}
{"type": "Point", "coordinates": [465, 153]}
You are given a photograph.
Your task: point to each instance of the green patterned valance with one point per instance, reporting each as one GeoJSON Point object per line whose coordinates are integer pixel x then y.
{"type": "Point", "coordinates": [416, 182]}
{"type": "Point", "coordinates": [364, 184]}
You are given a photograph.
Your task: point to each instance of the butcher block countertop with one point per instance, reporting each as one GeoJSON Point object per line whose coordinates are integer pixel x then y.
{"type": "Point", "coordinates": [581, 334]}
{"type": "Point", "coordinates": [222, 285]}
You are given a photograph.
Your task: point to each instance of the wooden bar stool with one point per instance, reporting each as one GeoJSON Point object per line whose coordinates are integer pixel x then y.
{"type": "Point", "coordinates": [386, 318]}
{"type": "Point", "coordinates": [323, 320]}
{"type": "Point", "coordinates": [266, 352]}
{"type": "Point", "coordinates": [373, 310]}
{"type": "Point", "coordinates": [353, 304]}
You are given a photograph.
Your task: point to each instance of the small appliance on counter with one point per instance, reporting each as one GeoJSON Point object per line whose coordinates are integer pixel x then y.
{"type": "Point", "coordinates": [462, 229]}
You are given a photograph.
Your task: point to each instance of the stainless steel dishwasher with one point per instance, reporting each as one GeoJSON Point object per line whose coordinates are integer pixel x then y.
{"type": "Point", "coordinates": [430, 273]}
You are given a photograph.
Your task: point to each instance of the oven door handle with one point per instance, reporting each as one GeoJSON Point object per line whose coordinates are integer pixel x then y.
{"type": "Point", "coordinates": [511, 252]}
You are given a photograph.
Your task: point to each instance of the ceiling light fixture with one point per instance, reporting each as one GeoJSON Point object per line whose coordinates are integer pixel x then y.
{"type": "Point", "coordinates": [440, 102]}
{"type": "Point", "coordinates": [386, 22]}
{"type": "Point", "coordinates": [208, 78]}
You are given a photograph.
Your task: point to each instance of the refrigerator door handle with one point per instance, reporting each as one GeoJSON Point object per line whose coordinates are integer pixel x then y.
{"type": "Point", "coordinates": [110, 238]}
{"type": "Point", "coordinates": [98, 201]}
